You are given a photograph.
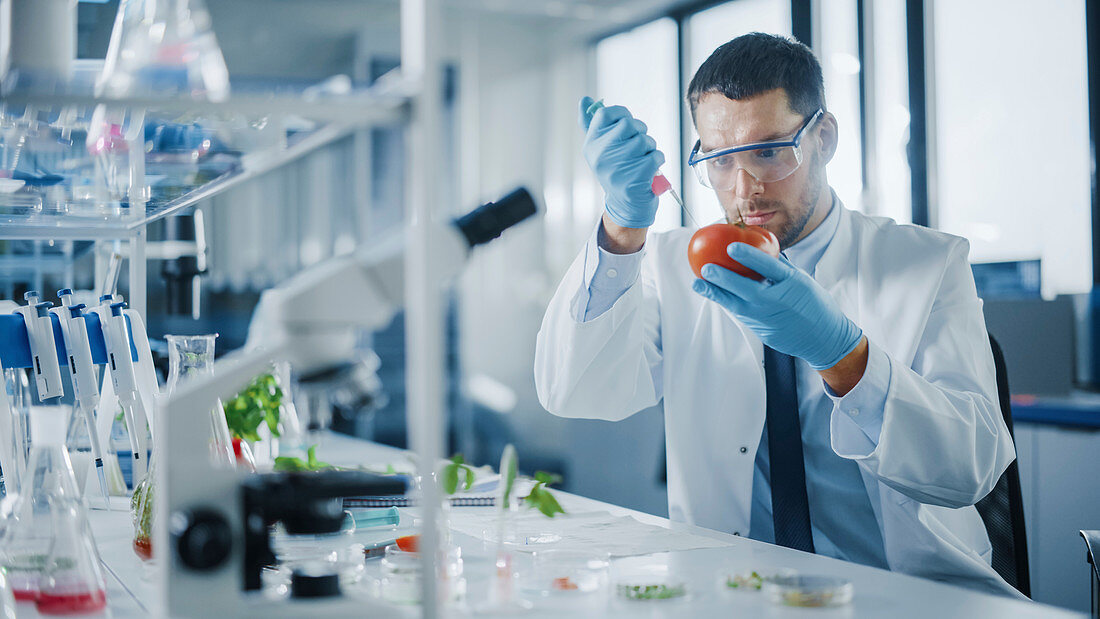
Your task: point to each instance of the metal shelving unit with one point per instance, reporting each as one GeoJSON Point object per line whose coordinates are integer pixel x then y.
{"type": "Point", "coordinates": [407, 101]}
{"type": "Point", "coordinates": [341, 116]}
{"type": "Point", "coordinates": [55, 225]}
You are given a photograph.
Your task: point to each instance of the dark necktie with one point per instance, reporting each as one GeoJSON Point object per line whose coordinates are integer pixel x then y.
{"type": "Point", "coordinates": [790, 507]}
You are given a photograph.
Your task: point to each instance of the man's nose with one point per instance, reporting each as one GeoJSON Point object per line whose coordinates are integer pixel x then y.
{"type": "Point", "coordinates": [747, 186]}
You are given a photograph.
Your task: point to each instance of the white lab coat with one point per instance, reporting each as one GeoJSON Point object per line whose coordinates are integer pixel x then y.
{"type": "Point", "coordinates": [943, 442]}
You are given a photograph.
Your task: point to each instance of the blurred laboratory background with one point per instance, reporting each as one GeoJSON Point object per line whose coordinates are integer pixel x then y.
{"type": "Point", "coordinates": [970, 117]}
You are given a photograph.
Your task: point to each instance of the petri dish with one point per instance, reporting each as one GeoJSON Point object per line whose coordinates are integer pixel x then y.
{"type": "Point", "coordinates": [400, 582]}
{"type": "Point", "coordinates": [568, 573]}
{"type": "Point", "coordinates": [653, 583]}
{"type": "Point", "coordinates": [808, 591]}
{"type": "Point", "coordinates": [290, 548]}
{"type": "Point", "coordinates": [518, 537]}
{"type": "Point", "coordinates": [347, 563]}
{"type": "Point", "coordinates": [749, 579]}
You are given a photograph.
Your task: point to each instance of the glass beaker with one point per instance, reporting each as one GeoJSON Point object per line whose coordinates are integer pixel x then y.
{"type": "Point", "coordinates": [164, 47]}
{"type": "Point", "coordinates": [47, 482]}
{"type": "Point", "coordinates": [115, 142]}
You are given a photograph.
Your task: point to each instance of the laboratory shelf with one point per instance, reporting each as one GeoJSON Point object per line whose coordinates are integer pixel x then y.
{"type": "Point", "coordinates": [46, 259]}
{"type": "Point", "coordinates": [174, 188]}
{"type": "Point", "coordinates": [386, 103]}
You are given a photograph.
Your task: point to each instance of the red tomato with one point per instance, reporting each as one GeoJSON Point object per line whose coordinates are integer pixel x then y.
{"type": "Point", "coordinates": [409, 543]}
{"type": "Point", "coordinates": [708, 246]}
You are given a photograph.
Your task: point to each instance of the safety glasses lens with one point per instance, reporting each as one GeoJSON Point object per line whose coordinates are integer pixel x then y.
{"type": "Point", "coordinates": [767, 165]}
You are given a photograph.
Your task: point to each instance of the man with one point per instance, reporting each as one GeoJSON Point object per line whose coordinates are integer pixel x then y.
{"type": "Point", "coordinates": [846, 405]}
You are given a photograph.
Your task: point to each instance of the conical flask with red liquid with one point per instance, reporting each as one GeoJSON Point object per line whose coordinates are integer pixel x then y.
{"type": "Point", "coordinates": [47, 482]}
{"type": "Point", "coordinates": [72, 580]}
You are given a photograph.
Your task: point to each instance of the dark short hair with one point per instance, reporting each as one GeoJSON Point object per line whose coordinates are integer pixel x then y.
{"type": "Point", "coordinates": [759, 62]}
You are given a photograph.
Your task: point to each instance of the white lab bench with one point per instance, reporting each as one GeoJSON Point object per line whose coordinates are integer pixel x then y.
{"type": "Point", "coordinates": [878, 593]}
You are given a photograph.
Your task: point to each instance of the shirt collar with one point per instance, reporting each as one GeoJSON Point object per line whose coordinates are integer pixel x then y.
{"type": "Point", "coordinates": [806, 253]}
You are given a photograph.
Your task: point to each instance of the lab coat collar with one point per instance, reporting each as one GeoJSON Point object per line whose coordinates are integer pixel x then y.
{"type": "Point", "coordinates": [805, 253]}
{"type": "Point", "coordinates": [840, 261]}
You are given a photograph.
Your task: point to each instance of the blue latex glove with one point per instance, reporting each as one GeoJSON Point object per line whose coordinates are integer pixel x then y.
{"type": "Point", "coordinates": [625, 161]}
{"type": "Point", "coordinates": [789, 311]}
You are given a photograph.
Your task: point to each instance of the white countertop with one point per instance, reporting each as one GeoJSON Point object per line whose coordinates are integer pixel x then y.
{"type": "Point", "coordinates": [878, 593]}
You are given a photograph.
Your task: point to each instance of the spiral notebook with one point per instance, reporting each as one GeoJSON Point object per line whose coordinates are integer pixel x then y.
{"type": "Point", "coordinates": [482, 494]}
{"type": "Point", "coordinates": [479, 500]}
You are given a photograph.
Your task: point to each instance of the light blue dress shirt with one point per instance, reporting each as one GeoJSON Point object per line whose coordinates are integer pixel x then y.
{"type": "Point", "coordinates": [842, 520]}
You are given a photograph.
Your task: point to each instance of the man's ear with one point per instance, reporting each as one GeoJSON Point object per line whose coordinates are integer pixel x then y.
{"type": "Point", "coordinates": [827, 136]}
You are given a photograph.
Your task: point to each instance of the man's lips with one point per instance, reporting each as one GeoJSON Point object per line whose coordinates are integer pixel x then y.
{"type": "Point", "coordinates": [757, 219]}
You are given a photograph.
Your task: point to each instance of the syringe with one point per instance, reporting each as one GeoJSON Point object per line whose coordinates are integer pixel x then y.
{"type": "Point", "coordinates": [660, 184]}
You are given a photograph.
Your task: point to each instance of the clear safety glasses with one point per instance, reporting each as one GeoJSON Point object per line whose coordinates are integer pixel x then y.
{"type": "Point", "coordinates": [767, 162]}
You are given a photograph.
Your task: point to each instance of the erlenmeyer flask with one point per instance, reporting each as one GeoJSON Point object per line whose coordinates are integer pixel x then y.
{"type": "Point", "coordinates": [141, 509]}
{"type": "Point", "coordinates": [48, 480]}
{"type": "Point", "coordinates": [164, 47]}
{"type": "Point", "coordinates": [193, 355]}
{"type": "Point", "coordinates": [72, 580]}
{"type": "Point", "coordinates": [93, 477]}
{"type": "Point", "coordinates": [7, 600]}
{"type": "Point", "coordinates": [79, 446]}
{"type": "Point", "coordinates": [17, 390]}
{"type": "Point", "coordinates": [188, 355]}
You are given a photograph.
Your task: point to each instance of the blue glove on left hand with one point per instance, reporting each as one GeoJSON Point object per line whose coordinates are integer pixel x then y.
{"type": "Point", "coordinates": [789, 311]}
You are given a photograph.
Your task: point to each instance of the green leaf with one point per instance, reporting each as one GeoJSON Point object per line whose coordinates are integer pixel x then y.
{"type": "Point", "coordinates": [547, 478]}
{"type": "Point", "coordinates": [457, 466]}
{"type": "Point", "coordinates": [314, 463]}
{"type": "Point", "coordinates": [272, 417]}
{"type": "Point", "coordinates": [542, 500]}
{"type": "Point", "coordinates": [293, 465]}
{"type": "Point", "coordinates": [289, 464]}
{"type": "Point", "coordinates": [450, 478]}
{"type": "Point", "coordinates": [259, 402]}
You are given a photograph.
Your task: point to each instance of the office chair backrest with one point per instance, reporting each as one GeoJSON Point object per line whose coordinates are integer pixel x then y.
{"type": "Point", "coordinates": [1092, 545]}
{"type": "Point", "coordinates": [1002, 510]}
